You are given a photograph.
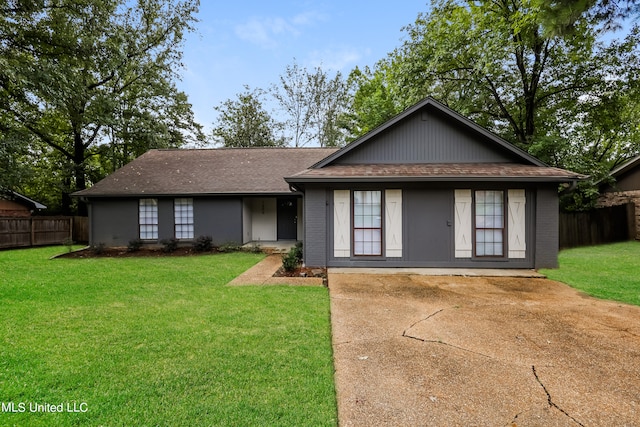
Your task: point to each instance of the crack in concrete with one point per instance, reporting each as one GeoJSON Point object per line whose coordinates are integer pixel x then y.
{"type": "Point", "coordinates": [406, 335]}
{"type": "Point", "coordinates": [448, 345]}
{"type": "Point", "coordinates": [625, 330]}
{"type": "Point", "coordinates": [422, 320]}
{"type": "Point", "coordinates": [550, 400]}
{"type": "Point", "coordinates": [514, 421]}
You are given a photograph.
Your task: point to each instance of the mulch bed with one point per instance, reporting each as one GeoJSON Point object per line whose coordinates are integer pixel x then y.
{"type": "Point", "coordinates": [184, 251]}
{"type": "Point", "coordinates": [124, 253]}
{"type": "Point", "coordinates": [301, 272]}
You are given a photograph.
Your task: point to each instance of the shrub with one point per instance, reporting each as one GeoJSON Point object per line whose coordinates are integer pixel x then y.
{"type": "Point", "coordinates": [169, 245]}
{"type": "Point", "coordinates": [255, 249]}
{"type": "Point", "coordinates": [68, 242]}
{"type": "Point", "coordinates": [290, 261]}
{"type": "Point", "coordinates": [297, 249]}
{"type": "Point", "coordinates": [203, 244]}
{"type": "Point", "coordinates": [293, 258]}
{"type": "Point", "coordinates": [229, 247]}
{"type": "Point", "coordinates": [99, 248]}
{"type": "Point", "coordinates": [134, 245]}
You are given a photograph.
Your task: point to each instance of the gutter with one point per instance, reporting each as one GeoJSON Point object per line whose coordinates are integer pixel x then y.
{"type": "Point", "coordinates": [571, 179]}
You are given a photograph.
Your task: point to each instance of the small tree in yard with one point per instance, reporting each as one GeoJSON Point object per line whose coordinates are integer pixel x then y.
{"type": "Point", "coordinates": [245, 123]}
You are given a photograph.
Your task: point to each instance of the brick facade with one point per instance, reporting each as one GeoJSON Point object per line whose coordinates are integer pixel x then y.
{"type": "Point", "coordinates": [622, 198]}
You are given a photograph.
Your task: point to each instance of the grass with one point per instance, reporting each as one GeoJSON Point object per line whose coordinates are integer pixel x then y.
{"type": "Point", "coordinates": [160, 341]}
{"type": "Point", "coordinates": [605, 271]}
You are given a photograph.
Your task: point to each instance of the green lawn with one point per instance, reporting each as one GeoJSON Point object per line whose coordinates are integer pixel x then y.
{"type": "Point", "coordinates": [160, 342]}
{"type": "Point", "coordinates": [605, 271]}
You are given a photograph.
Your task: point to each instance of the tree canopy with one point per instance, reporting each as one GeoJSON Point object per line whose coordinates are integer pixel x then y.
{"type": "Point", "coordinates": [245, 123]}
{"type": "Point", "coordinates": [312, 105]}
{"type": "Point", "coordinates": [569, 99]}
{"type": "Point", "coordinates": [93, 81]}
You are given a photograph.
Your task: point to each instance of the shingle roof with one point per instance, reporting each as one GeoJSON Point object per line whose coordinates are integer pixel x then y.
{"type": "Point", "coordinates": [208, 171]}
{"type": "Point", "coordinates": [12, 195]}
{"type": "Point", "coordinates": [436, 171]}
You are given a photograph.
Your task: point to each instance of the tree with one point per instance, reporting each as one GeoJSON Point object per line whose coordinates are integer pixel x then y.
{"type": "Point", "coordinates": [560, 16]}
{"type": "Point", "coordinates": [492, 62]}
{"type": "Point", "coordinates": [245, 123]}
{"type": "Point", "coordinates": [330, 102]}
{"type": "Point", "coordinates": [376, 99]}
{"type": "Point", "coordinates": [66, 67]}
{"type": "Point", "coordinates": [569, 99]}
{"type": "Point", "coordinates": [313, 104]}
{"type": "Point", "coordinates": [13, 152]}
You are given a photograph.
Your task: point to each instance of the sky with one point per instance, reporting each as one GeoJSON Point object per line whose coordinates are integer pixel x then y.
{"type": "Point", "coordinates": [248, 42]}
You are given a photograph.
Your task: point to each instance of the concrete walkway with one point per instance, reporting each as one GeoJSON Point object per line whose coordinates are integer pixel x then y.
{"type": "Point", "coordinates": [262, 274]}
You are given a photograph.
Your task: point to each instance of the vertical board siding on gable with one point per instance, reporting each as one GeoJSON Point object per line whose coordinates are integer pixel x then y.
{"type": "Point", "coordinates": [434, 140]}
{"type": "Point", "coordinates": [462, 224]}
{"type": "Point", "coordinates": [517, 220]}
{"type": "Point", "coordinates": [315, 227]}
{"type": "Point", "coordinates": [393, 223]}
{"type": "Point", "coordinates": [341, 223]}
{"type": "Point", "coordinates": [629, 181]}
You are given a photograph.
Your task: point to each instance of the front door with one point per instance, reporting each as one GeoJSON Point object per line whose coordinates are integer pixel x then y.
{"type": "Point", "coordinates": [430, 226]}
{"type": "Point", "coordinates": [287, 218]}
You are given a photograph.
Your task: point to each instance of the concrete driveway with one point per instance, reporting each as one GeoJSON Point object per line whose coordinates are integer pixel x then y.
{"type": "Point", "coordinates": [481, 351]}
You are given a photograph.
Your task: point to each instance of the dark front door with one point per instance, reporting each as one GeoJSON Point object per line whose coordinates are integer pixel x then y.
{"type": "Point", "coordinates": [430, 225]}
{"type": "Point", "coordinates": [287, 218]}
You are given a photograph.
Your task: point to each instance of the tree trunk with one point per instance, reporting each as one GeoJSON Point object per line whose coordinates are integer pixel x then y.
{"type": "Point", "coordinates": [78, 170]}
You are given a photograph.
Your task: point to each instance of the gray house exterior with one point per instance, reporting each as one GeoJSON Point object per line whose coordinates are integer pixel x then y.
{"type": "Point", "coordinates": [429, 188]}
{"type": "Point", "coordinates": [232, 195]}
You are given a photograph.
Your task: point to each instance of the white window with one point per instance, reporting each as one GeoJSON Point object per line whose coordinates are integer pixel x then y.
{"type": "Point", "coordinates": [183, 214]}
{"type": "Point", "coordinates": [367, 223]}
{"type": "Point", "coordinates": [489, 223]}
{"type": "Point", "coordinates": [148, 219]}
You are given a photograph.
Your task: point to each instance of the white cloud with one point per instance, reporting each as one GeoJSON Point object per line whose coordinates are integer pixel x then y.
{"type": "Point", "coordinates": [336, 59]}
{"type": "Point", "coordinates": [308, 18]}
{"type": "Point", "coordinates": [266, 31]}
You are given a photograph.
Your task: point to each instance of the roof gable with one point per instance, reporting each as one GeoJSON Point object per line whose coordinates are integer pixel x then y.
{"type": "Point", "coordinates": [627, 175]}
{"type": "Point", "coordinates": [429, 132]}
{"type": "Point", "coordinates": [23, 200]}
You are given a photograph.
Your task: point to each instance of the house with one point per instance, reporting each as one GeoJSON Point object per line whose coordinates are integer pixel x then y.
{"type": "Point", "coordinates": [231, 194]}
{"type": "Point", "coordinates": [626, 189]}
{"type": "Point", "coordinates": [429, 188]}
{"type": "Point", "coordinates": [14, 204]}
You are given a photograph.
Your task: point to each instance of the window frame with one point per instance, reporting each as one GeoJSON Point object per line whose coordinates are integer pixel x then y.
{"type": "Point", "coordinates": [380, 228]}
{"type": "Point", "coordinates": [187, 221]}
{"type": "Point", "coordinates": [503, 229]}
{"type": "Point", "coordinates": [148, 218]}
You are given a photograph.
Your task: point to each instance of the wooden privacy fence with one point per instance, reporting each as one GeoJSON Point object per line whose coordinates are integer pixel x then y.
{"type": "Point", "coordinates": [602, 225]}
{"type": "Point", "coordinates": [42, 230]}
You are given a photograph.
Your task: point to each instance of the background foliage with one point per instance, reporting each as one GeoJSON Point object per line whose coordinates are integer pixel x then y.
{"type": "Point", "coordinates": [85, 87]}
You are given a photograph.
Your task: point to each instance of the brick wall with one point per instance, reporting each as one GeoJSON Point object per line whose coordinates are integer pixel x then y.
{"type": "Point", "coordinates": [622, 198]}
